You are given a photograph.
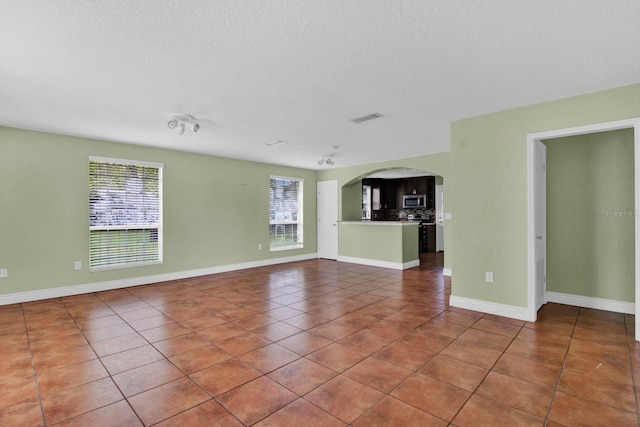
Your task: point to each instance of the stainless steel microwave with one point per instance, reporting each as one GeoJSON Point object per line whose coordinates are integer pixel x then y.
{"type": "Point", "coordinates": [414, 201]}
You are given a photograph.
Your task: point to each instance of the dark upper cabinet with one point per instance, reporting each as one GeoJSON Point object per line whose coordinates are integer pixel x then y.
{"type": "Point", "coordinates": [401, 190]}
{"type": "Point", "coordinates": [431, 192]}
{"type": "Point", "coordinates": [415, 185]}
{"type": "Point", "coordinates": [420, 185]}
{"type": "Point", "coordinates": [388, 194]}
{"type": "Point", "coordinates": [392, 190]}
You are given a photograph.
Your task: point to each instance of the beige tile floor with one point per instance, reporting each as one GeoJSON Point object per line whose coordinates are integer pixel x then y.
{"type": "Point", "coordinates": [312, 343]}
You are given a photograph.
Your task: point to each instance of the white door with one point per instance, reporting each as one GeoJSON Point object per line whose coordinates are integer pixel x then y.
{"type": "Point", "coordinates": [540, 203]}
{"type": "Point", "coordinates": [439, 218]}
{"type": "Point", "coordinates": [328, 219]}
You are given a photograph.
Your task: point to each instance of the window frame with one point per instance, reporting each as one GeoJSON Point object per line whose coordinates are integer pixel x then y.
{"type": "Point", "coordinates": [130, 226]}
{"type": "Point", "coordinates": [299, 222]}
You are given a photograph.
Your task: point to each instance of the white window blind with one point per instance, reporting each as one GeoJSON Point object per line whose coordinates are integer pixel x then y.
{"type": "Point", "coordinates": [125, 213]}
{"type": "Point", "coordinates": [285, 213]}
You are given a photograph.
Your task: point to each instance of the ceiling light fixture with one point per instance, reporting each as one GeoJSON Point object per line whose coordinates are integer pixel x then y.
{"type": "Point", "coordinates": [328, 159]}
{"type": "Point", "coordinates": [180, 122]}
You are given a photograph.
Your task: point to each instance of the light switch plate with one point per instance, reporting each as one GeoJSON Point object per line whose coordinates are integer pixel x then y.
{"type": "Point", "coordinates": [4, 273]}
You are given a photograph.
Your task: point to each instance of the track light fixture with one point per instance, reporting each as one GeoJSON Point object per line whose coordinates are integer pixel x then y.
{"type": "Point", "coordinates": [180, 122]}
{"type": "Point", "coordinates": [326, 159]}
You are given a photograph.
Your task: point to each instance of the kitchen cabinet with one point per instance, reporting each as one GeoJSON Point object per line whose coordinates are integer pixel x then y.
{"type": "Point", "coordinates": [391, 191]}
{"type": "Point", "coordinates": [416, 185]}
{"type": "Point", "coordinates": [383, 191]}
{"type": "Point", "coordinates": [427, 237]}
{"type": "Point", "coordinates": [431, 238]}
{"type": "Point", "coordinates": [389, 194]}
{"type": "Point", "coordinates": [431, 192]}
{"type": "Point", "coordinates": [401, 185]}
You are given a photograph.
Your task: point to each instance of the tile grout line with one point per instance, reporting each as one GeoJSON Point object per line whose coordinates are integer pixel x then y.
{"type": "Point", "coordinates": [244, 298]}
{"type": "Point", "coordinates": [33, 366]}
{"type": "Point", "coordinates": [473, 393]}
{"type": "Point", "coordinates": [564, 361]}
{"type": "Point", "coordinates": [166, 358]}
{"type": "Point", "coordinates": [110, 376]}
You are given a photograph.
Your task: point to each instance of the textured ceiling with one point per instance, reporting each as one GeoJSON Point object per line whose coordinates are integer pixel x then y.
{"type": "Point", "coordinates": [297, 70]}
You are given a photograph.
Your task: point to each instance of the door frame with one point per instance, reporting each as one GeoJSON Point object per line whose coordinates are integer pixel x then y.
{"type": "Point", "coordinates": [531, 237]}
{"type": "Point", "coordinates": [540, 169]}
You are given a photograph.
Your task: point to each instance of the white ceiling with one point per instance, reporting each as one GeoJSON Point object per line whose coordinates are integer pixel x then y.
{"type": "Point", "coordinates": [298, 70]}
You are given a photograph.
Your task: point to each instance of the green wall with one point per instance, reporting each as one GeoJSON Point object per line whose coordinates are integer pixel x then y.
{"type": "Point", "coordinates": [489, 177]}
{"type": "Point", "coordinates": [590, 221]}
{"type": "Point", "coordinates": [347, 177]}
{"type": "Point", "coordinates": [353, 192]}
{"type": "Point", "coordinates": [216, 210]}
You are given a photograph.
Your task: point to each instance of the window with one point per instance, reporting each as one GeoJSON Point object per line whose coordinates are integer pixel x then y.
{"type": "Point", "coordinates": [285, 213]}
{"type": "Point", "coordinates": [125, 213]}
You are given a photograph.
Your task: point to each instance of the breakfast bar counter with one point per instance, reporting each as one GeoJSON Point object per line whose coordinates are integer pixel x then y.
{"type": "Point", "coordinates": [389, 244]}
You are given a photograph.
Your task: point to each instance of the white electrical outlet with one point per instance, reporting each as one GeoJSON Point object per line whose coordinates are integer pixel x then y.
{"type": "Point", "coordinates": [488, 276]}
{"type": "Point", "coordinates": [77, 265]}
{"type": "Point", "coordinates": [259, 246]}
{"type": "Point", "coordinates": [4, 273]}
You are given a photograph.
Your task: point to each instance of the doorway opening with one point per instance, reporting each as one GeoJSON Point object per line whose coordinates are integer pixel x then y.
{"type": "Point", "coordinates": [534, 210]}
{"type": "Point", "coordinates": [388, 194]}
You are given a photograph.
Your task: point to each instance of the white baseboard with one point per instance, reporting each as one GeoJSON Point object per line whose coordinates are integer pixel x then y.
{"type": "Point", "coordinates": [514, 312]}
{"type": "Point", "coordinates": [590, 302]}
{"type": "Point", "coordinates": [64, 291]}
{"type": "Point", "coordinates": [446, 272]}
{"type": "Point", "coordinates": [411, 264]}
{"type": "Point", "coordinates": [378, 263]}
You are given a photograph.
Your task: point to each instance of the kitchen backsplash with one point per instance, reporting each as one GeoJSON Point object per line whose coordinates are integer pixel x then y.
{"type": "Point", "coordinates": [398, 214]}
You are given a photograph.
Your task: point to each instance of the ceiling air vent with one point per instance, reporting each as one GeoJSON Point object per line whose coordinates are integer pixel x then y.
{"type": "Point", "coordinates": [275, 143]}
{"type": "Point", "coordinates": [367, 117]}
